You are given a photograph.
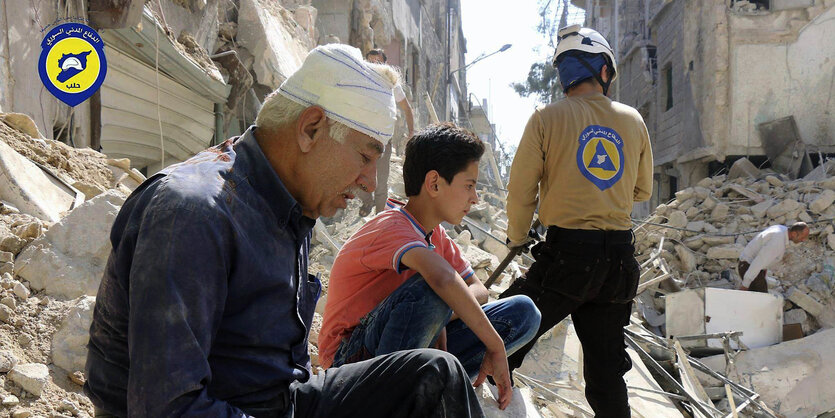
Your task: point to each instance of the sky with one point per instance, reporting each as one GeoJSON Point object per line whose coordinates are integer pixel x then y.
{"type": "Point", "coordinates": [487, 25]}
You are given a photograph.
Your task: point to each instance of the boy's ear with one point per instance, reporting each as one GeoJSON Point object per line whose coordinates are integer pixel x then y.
{"type": "Point", "coordinates": [431, 181]}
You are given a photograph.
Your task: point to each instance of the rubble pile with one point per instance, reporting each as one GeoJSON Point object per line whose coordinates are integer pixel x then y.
{"type": "Point", "coordinates": [50, 268]}
{"type": "Point", "coordinates": [692, 244]}
{"type": "Point", "coordinates": [707, 226]}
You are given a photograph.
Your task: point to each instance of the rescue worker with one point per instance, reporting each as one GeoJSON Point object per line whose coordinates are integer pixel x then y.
{"type": "Point", "coordinates": [584, 160]}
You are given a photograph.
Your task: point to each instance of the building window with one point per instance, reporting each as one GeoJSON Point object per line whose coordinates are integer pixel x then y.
{"type": "Point", "coordinates": [668, 81]}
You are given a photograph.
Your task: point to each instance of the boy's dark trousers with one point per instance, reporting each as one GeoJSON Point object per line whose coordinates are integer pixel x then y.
{"type": "Point", "coordinates": [593, 276]}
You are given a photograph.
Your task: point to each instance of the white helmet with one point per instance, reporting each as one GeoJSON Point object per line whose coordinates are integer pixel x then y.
{"type": "Point", "coordinates": [577, 38]}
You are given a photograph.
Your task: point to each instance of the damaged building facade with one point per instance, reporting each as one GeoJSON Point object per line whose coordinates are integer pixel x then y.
{"type": "Point", "coordinates": [186, 74]}
{"type": "Point", "coordinates": [423, 38]}
{"type": "Point", "coordinates": [717, 80]}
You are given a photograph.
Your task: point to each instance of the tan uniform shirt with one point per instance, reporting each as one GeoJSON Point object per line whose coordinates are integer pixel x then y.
{"type": "Point", "coordinates": [585, 160]}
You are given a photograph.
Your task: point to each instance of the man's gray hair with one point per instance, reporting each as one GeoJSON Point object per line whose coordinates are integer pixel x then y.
{"type": "Point", "coordinates": [278, 111]}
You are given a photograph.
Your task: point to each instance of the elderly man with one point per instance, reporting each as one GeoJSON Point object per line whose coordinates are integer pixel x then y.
{"type": "Point", "coordinates": [764, 250]}
{"type": "Point", "coordinates": [206, 302]}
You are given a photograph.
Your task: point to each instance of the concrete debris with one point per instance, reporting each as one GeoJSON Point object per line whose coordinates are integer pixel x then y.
{"type": "Point", "coordinates": [32, 377]}
{"type": "Point", "coordinates": [26, 186]}
{"type": "Point", "coordinates": [521, 405]}
{"type": "Point", "coordinates": [743, 167]}
{"type": "Point", "coordinates": [68, 261]}
{"type": "Point", "coordinates": [266, 29]}
{"type": "Point", "coordinates": [703, 259]}
{"type": "Point", "coordinates": [69, 344]}
{"type": "Point", "coordinates": [22, 123]}
{"type": "Point", "coordinates": [7, 361]}
{"type": "Point", "coordinates": [796, 378]}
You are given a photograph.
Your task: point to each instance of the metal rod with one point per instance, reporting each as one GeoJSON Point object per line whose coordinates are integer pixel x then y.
{"type": "Point", "coordinates": [663, 373]}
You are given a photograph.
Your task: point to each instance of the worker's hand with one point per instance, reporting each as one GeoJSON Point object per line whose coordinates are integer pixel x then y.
{"type": "Point", "coordinates": [495, 364]}
{"type": "Point", "coordinates": [440, 343]}
{"type": "Point", "coordinates": [525, 245]}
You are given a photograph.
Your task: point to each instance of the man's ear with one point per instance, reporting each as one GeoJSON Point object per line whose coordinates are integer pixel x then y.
{"type": "Point", "coordinates": [431, 181]}
{"type": "Point", "coordinates": [310, 127]}
{"type": "Point", "coordinates": [604, 72]}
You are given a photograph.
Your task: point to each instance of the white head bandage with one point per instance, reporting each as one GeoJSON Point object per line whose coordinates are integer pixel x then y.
{"type": "Point", "coordinates": [337, 78]}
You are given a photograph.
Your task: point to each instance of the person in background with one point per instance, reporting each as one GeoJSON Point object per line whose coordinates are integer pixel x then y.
{"type": "Point", "coordinates": [764, 250]}
{"type": "Point", "coordinates": [378, 201]}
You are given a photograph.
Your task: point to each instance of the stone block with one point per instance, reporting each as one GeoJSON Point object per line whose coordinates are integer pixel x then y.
{"type": "Point", "coordinates": [69, 343]}
{"type": "Point", "coordinates": [479, 258]}
{"type": "Point", "coordinates": [9, 242]}
{"type": "Point", "coordinates": [830, 239]}
{"type": "Point", "coordinates": [6, 257]}
{"type": "Point", "coordinates": [823, 201]}
{"type": "Point", "coordinates": [69, 259]}
{"type": "Point", "coordinates": [782, 208]}
{"type": "Point", "coordinates": [7, 361]}
{"type": "Point", "coordinates": [724, 252]}
{"type": "Point", "coordinates": [21, 291]}
{"type": "Point", "coordinates": [27, 187]}
{"type": "Point", "coordinates": [686, 258]}
{"type": "Point", "coordinates": [685, 194]}
{"type": "Point", "coordinates": [774, 181]}
{"type": "Point", "coordinates": [696, 226]}
{"type": "Point", "coordinates": [706, 182]}
{"type": "Point", "coordinates": [677, 219]}
{"type": "Point", "coordinates": [720, 212]}
{"type": "Point", "coordinates": [744, 168]}
{"type": "Point", "coordinates": [32, 377]}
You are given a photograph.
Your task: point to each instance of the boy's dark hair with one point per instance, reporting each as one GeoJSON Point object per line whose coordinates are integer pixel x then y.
{"type": "Point", "coordinates": [442, 147]}
{"type": "Point", "coordinates": [377, 51]}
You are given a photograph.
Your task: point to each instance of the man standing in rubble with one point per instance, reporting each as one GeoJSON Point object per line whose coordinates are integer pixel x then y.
{"type": "Point", "coordinates": [378, 202]}
{"type": "Point", "coordinates": [585, 160]}
{"type": "Point", "coordinates": [764, 250]}
{"type": "Point", "coordinates": [206, 302]}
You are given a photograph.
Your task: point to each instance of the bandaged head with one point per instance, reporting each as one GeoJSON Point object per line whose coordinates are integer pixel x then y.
{"type": "Point", "coordinates": [337, 78]}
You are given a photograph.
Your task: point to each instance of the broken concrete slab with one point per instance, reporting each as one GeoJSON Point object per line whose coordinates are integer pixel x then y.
{"type": "Point", "coordinates": [29, 189]}
{"type": "Point", "coordinates": [825, 317]}
{"type": "Point", "coordinates": [725, 251]}
{"type": "Point", "coordinates": [759, 210]}
{"type": "Point", "coordinates": [277, 51]}
{"type": "Point", "coordinates": [743, 167]}
{"type": "Point", "coordinates": [69, 343]}
{"type": "Point", "coordinates": [32, 377]}
{"type": "Point", "coordinates": [68, 260]}
{"type": "Point", "coordinates": [796, 378]}
{"type": "Point", "coordinates": [758, 315]}
{"type": "Point", "coordinates": [685, 314]}
{"type": "Point", "coordinates": [782, 208]}
{"type": "Point", "coordinates": [823, 201]}
{"type": "Point", "coordinates": [521, 405]}
{"type": "Point", "coordinates": [22, 123]}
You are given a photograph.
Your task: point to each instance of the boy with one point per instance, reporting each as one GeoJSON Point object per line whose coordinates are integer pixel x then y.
{"type": "Point", "coordinates": [400, 282]}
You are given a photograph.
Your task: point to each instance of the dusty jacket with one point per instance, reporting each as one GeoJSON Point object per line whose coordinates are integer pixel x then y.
{"type": "Point", "coordinates": [205, 304]}
{"type": "Point", "coordinates": [585, 160]}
